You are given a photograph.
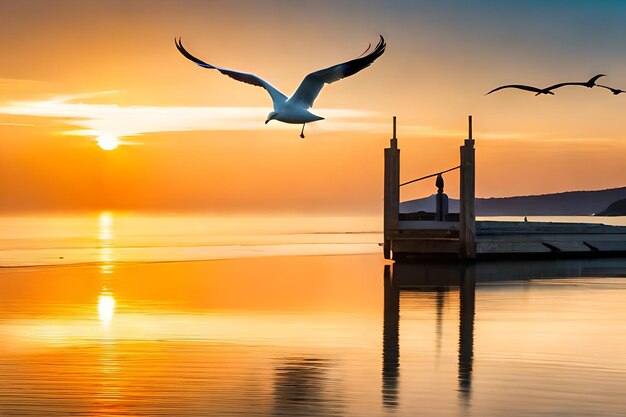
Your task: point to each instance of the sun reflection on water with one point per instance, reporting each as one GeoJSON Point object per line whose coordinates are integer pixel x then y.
{"type": "Point", "coordinates": [106, 308]}
{"type": "Point", "coordinates": [106, 226]}
{"type": "Point", "coordinates": [105, 236]}
{"type": "Point", "coordinates": [106, 301]}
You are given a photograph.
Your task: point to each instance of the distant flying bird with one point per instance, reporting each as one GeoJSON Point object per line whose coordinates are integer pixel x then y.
{"type": "Point", "coordinates": [548, 90]}
{"type": "Point", "coordinates": [295, 108]}
{"type": "Point", "coordinates": [589, 84]}
{"type": "Point", "coordinates": [615, 91]}
{"type": "Point", "coordinates": [523, 87]}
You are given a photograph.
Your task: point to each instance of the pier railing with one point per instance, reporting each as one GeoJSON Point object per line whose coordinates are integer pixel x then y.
{"type": "Point", "coordinates": [429, 176]}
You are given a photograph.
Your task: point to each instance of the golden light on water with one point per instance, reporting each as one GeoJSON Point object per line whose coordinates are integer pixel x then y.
{"type": "Point", "coordinates": [105, 226]}
{"type": "Point", "coordinates": [106, 257]}
{"type": "Point", "coordinates": [106, 308]}
{"type": "Point", "coordinates": [105, 235]}
{"type": "Point", "coordinates": [106, 301]}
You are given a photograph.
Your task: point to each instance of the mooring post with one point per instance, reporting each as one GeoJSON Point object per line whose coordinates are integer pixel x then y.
{"type": "Point", "coordinates": [392, 191]}
{"type": "Point", "coordinates": [467, 216]}
{"type": "Point", "coordinates": [441, 201]}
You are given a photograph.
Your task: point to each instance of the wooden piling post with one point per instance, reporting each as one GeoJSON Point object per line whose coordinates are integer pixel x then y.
{"type": "Point", "coordinates": [392, 191]}
{"type": "Point", "coordinates": [467, 214]}
{"type": "Point", "coordinates": [467, 300]}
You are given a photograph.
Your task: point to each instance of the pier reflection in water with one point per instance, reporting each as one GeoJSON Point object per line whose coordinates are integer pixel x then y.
{"type": "Point", "coordinates": [438, 278]}
{"type": "Point", "coordinates": [442, 278]}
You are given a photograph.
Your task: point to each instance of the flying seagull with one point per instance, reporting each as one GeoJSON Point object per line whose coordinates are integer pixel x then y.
{"type": "Point", "coordinates": [548, 90]}
{"type": "Point", "coordinates": [523, 87]}
{"type": "Point", "coordinates": [615, 91]}
{"type": "Point", "coordinates": [295, 108]}
{"type": "Point", "coordinates": [589, 84]}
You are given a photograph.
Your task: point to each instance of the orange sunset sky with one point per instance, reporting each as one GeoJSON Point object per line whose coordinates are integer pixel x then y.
{"type": "Point", "coordinates": [193, 139]}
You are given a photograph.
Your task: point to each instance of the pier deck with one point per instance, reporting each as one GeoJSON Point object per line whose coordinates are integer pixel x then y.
{"type": "Point", "coordinates": [496, 239]}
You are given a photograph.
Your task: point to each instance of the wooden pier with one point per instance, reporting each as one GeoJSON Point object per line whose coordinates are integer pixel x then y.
{"type": "Point", "coordinates": [461, 236]}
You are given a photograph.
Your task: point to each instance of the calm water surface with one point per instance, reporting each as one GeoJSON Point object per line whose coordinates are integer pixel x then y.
{"type": "Point", "coordinates": [344, 335]}
{"type": "Point", "coordinates": [108, 237]}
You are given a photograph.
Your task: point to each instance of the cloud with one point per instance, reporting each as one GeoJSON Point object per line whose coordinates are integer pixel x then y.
{"type": "Point", "coordinates": [4, 82]}
{"type": "Point", "coordinates": [96, 119]}
{"type": "Point", "coordinates": [79, 96]}
{"type": "Point", "coordinates": [93, 119]}
{"type": "Point", "coordinates": [16, 124]}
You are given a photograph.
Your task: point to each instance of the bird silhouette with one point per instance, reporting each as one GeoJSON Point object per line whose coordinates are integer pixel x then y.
{"type": "Point", "coordinates": [295, 108]}
{"type": "Point", "coordinates": [523, 87]}
{"type": "Point", "coordinates": [615, 91]}
{"type": "Point", "coordinates": [548, 90]}
{"type": "Point", "coordinates": [589, 84]}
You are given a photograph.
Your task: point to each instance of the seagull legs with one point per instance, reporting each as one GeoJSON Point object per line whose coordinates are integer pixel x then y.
{"type": "Point", "coordinates": [302, 132]}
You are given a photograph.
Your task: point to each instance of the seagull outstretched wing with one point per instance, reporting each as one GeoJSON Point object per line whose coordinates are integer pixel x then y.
{"type": "Point", "coordinates": [615, 91]}
{"type": "Point", "coordinates": [521, 87]}
{"type": "Point", "coordinates": [590, 83]}
{"type": "Point", "coordinates": [312, 84]}
{"type": "Point", "coordinates": [593, 80]}
{"type": "Point", "coordinates": [278, 98]}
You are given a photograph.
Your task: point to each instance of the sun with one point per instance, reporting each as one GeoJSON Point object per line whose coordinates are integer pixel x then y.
{"type": "Point", "coordinates": [108, 142]}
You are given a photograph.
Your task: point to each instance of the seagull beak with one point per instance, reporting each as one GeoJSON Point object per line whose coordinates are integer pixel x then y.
{"type": "Point", "coordinates": [267, 121]}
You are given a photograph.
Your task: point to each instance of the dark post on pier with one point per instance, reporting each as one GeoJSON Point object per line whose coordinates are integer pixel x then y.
{"type": "Point", "coordinates": [467, 219]}
{"type": "Point", "coordinates": [392, 191]}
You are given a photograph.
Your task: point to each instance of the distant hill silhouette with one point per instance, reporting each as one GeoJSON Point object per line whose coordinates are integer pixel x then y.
{"type": "Point", "coordinates": [571, 203]}
{"type": "Point", "coordinates": [617, 208]}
